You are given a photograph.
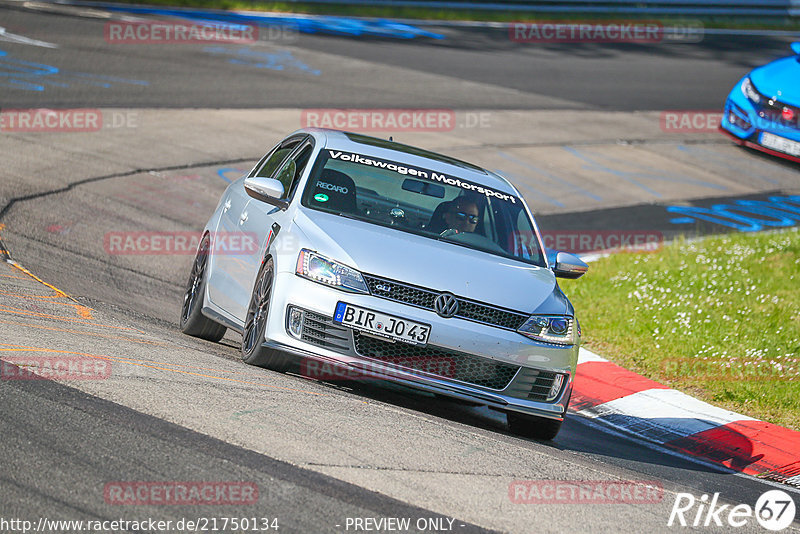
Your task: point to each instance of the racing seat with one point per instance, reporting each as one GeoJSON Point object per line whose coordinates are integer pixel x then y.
{"type": "Point", "coordinates": [437, 223]}
{"type": "Point", "coordinates": [339, 192]}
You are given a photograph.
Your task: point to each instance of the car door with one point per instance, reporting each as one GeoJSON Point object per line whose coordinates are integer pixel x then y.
{"type": "Point", "coordinates": [259, 219]}
{"type": "Point", "coordinates": [231, 266]}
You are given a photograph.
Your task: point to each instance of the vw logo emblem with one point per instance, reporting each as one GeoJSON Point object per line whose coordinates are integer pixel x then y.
{"type": "Point", "coordinates": [446, 305]}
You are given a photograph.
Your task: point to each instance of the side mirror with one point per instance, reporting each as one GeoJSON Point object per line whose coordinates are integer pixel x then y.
{"type": "Point", "coordinates": [266, 190]}
{"type": "Point", "coordinates": [569, 266]}
{"type": "Point", "coordinates": [796, 47]}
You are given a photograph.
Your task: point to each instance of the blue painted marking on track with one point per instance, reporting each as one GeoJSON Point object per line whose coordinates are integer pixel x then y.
{"type": "Point", "coordinates": [744, 215]}
{"type": "Point", "coordinates": [54, 83]}
{"type": "Point", "coordinates": [14, 73]}
{"type": "Point", "coordinates": [226, 170]}
{"type": "Point", "coordinates": [657, 174]}
{"type": "Point", "coordinates": [17, 84]}
{"type": "Point", "coordinates": [654, 173]}
{"type": "Point", "coordinates": [26, 75]}
{"type": "Point", "coordinates": [259, 59]}
{"type": "Point", "coordinates": [595, 166]}
{"type": "Point", "coordinates": [557, 180]}
{"type": "Point", "coordinates": [719, 159]}
{"type": "Point", "coordinates": [108, 79]}
{"type": "Point", "coordinates": [539, 194]}
{"type": "Point", "coordinates": [335, 25]}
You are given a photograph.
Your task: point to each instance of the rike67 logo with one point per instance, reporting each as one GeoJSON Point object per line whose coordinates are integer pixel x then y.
{"type": "Point", "coordinates": [774, 510]}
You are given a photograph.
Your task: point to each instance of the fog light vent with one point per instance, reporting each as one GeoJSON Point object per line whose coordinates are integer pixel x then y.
{"type": "Point", "coordinates": [555, 389]}
{"type": "Point", "coordinates": [296, 320]}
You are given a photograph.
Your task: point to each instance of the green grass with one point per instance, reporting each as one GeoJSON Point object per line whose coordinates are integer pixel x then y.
{"type": "Point", "coordinates": [718, 318]}
{"type": "Point", "coordinates": [788, 24]}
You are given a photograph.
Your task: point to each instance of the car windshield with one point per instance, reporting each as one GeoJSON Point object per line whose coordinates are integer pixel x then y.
{"type": "Point", "coordinates": [423, 202]}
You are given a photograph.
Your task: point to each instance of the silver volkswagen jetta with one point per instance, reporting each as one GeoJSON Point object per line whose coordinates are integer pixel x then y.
{"type": "Point", "coordinates": [393, 263]}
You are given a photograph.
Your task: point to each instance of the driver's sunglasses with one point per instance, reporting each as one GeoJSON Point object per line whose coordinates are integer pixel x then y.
{"type": "Point", "coordinates": [466, 217]}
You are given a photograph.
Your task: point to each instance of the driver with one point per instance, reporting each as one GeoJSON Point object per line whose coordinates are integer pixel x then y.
{"type": "Point", "coordinates": [462, 216]}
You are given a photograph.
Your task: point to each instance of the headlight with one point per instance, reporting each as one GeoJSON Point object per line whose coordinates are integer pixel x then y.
{"type": "Point", "coordinates": [749, 90]}
{"type": "Point", "coordinates": [558, 329]}
{"type": "Point", "coordinates": [320, 269]}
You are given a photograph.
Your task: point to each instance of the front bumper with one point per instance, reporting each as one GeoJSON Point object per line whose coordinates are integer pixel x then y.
{"type": "Point", "coordinates": [488, 365]}
{"type": "Point", "coordinates": [498, 401]}
{"type": "Point", "coordinates": [744, 124]}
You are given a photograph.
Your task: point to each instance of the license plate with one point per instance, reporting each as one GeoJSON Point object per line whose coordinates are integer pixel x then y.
{"type": "Point", "coordinates": [781, 144]}
{"type": "Point", "coordinates": [381, 324]}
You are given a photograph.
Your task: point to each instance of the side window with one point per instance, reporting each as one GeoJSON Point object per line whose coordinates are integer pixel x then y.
{"type": "Point", "coordinates": [260, 164]}
{"type": "Point", "coordinates": [269, 165]}
{"type": "Point", "coordinates": [523, 240]}
{"type": "Point", "coordinates": [291, 170]}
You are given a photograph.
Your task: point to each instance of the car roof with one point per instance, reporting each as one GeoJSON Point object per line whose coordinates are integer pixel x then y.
{"type": "Point", "coordinates": [410, 155]}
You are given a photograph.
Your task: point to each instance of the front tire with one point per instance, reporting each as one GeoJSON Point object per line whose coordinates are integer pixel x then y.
{"type": "Point", "coordinates": [530, 426]}
{"type": "Point", "coordinates": [255, 326]}
{"type": "Point", "coordinates": [193, 322]}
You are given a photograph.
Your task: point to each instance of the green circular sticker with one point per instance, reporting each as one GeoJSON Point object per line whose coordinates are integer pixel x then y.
{"type": "Point", "coordinates": [321, 198]}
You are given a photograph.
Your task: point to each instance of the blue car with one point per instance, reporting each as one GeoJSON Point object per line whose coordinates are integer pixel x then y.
{"type": "Point", "coordinates": [763, 109]}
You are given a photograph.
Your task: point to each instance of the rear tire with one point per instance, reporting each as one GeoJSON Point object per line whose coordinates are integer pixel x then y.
{"type": "Point", "coordinates": [193, 322]}
{"type": "Point", "coordinates": [255, 326]}
{"type": "Point", "coordinates": [534, 427]}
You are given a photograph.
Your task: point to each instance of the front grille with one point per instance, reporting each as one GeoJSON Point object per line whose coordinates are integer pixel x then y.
{"type": "Point", "coordinates": [777, 105]}
{"type": "Point", "coordinates": [772, 110]}
{"type": "Point", "coordinates": [533, 384]}
{"type": "Point", "coordinates": [399, 292]}
{"type": "Point", "coordinates": [437, 361]}
{"type": "Point", "coordinates": [490, 315]}
{"type": "Point", "coordinates": [421, 297]}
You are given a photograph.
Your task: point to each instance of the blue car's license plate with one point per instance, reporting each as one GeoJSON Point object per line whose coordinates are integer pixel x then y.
{"type": "Point", "coordinates": [381, 324]}
{"type": "Point", "coordinates": [781, 144]}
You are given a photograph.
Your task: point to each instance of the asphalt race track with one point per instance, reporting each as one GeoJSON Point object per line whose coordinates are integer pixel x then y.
{"type": "Point", "coordinates": [580, 128]}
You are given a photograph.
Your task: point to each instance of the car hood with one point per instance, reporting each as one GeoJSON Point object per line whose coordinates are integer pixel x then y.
{"type": "Point", "coordinates": [433, 264]}
{"type": "Point", "coordinates": [779, 79]}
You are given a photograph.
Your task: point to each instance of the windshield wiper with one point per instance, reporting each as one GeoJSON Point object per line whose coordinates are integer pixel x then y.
{"type": "Point", "coordinates": [352, 216]}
